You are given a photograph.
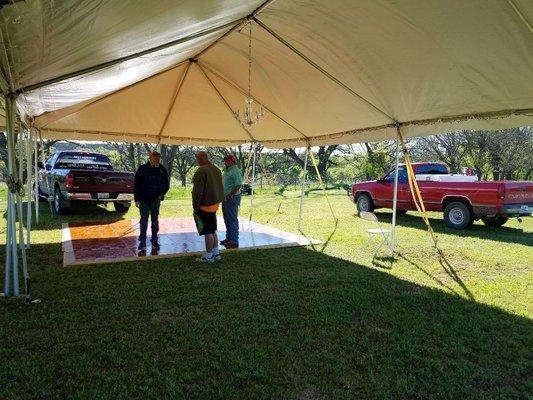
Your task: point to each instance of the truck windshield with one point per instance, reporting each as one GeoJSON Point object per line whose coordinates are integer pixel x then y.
{"type": "Point", "coordinates": [83, 161]}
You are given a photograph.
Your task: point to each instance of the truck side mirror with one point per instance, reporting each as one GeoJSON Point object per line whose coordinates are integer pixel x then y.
{"type": "Point", "coordinates": [48, 167]}
{"type": "Point", "coordinates": [40, 165]}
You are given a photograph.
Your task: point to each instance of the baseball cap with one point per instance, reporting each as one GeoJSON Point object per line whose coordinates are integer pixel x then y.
{"type": "Point", "coordinates": [155, 153]}
{"type": "Point", "coordinates": [229, 157]}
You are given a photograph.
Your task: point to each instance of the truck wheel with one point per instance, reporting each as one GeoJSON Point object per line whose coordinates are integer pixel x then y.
{"type": "Point", "coordinates": [495, 222]}
{"type": "Point", "coordinates": [121, 207]}
{"type": "Point", "coordinates": [458, 216]}
{"type": "Point", "coordinates": [364, 203]}
{"type": "Point", "coordinates": [59, 203]}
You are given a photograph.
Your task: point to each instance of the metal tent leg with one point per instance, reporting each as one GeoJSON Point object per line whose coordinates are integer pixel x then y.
{"type": "Point", "coordinates": [13, 183]}
{"type": "Point", "coordinates": [303, 190]}
{"type": "Point", "coordinates": [392, 245]}
{"type": "Point", "coordinates": [253, 185]}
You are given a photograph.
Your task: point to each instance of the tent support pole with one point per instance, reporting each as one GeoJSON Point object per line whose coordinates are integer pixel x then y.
{"type": "Point", "coordinates": [35, 171]}
{"type": "Point", "coordinates": [29, 179]}
{"type": "Point", "coordinates": [395, 193]}
{"type": "Point", "coordinates": [13, 182]}
{"type": "Point", "coordinates": [303, 190]}
{"type": "Point", "coordinates": [253, 184]}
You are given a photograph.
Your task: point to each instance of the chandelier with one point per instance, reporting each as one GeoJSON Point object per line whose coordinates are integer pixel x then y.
{"type": "Point", "coordinates": [251, 114]}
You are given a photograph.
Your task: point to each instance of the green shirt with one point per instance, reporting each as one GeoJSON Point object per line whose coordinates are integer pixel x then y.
{"type": "Point", "coordinates": [232, 177]}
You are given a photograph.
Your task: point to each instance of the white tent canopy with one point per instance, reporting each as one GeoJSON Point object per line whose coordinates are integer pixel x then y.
{"type": "Point", "coordinates": [335, 71]}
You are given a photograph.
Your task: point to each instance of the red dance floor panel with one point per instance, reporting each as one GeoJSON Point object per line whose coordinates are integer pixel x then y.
{"type": "Point", "coordinates": [103, 242]}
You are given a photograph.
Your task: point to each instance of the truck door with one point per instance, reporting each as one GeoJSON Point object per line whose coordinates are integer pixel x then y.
{"type": "Point", "coordinates": [385, 189]}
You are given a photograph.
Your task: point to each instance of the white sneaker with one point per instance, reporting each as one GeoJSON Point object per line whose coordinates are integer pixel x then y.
{"type": "Point", "coordinates": [217, 257]}
{"type": "Point", "coordinates": [206, 259]}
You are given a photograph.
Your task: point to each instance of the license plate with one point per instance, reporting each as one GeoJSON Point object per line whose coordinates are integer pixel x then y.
{"type": "Point", "coordinates": [103, 195]}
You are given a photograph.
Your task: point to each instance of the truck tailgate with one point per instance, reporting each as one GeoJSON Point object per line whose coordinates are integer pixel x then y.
{"type": "Point", "coordinates": [518, 198]}
{"type": "Point", "coordinates": [92, 181]}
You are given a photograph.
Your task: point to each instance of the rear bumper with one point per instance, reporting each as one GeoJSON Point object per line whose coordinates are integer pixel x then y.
{"type": "Point", "coordinates": [94, 197]}
{"type": "Point", "coordinates": [518, 209]}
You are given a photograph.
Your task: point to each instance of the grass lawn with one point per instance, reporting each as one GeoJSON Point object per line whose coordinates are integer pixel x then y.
{"type": "Point", "coordinates": [298, 323]}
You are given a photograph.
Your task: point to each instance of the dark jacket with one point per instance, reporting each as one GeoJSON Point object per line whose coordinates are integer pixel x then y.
{"type": "Point", "coordinates": [207, 186]}
{"type": "Point", "coordinates": [150, 183]}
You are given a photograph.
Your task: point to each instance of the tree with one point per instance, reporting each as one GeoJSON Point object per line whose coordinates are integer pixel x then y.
{"type": "Point", "coordinates": [323, 155]}
{"type": "Point", "coordinates": [184, 161]}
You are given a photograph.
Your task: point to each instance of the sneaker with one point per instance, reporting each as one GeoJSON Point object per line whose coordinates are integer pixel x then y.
{"type": "Point", "coordinates": [231, 245]}
{"type": "Point", "coordinates": [217, 257]}
{"type": "Point", "coordinates": [142, 247]}
{"type": "Point", "coordinates": [205, 259]}
{"type": "Point", "coordinates": [156, 245]}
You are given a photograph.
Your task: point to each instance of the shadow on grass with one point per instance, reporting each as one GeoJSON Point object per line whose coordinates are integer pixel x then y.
{"type": "Point", "coordinates": [502, 234]}
{"type": "Point", "coordinates": [284, 323]}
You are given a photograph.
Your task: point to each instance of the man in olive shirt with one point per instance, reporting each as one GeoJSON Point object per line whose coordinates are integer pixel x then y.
{"type": "Point", "coordinates": [207, 193]}
{"type": "Point", "coordinates": [232, 179]}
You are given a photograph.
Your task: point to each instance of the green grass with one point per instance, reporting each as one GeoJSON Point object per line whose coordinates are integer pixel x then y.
{"type": "Point", "coordinates": [300, 323]}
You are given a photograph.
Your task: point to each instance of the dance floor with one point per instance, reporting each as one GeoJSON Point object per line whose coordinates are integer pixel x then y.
{"type": "Point", "coordinates": [104, 242]}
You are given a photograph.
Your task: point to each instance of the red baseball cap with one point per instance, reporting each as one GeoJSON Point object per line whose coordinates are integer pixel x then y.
{"type": "Point", "coordinates": [229, 157]}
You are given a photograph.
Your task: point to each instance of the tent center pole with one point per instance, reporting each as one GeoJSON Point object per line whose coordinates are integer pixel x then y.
{"type": "Point", "coordinates": [302, 193]}
{"type": "Point", "coordinates": [395, 193]}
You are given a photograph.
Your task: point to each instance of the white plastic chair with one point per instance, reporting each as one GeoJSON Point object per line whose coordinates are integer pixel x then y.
{"type": "Point", "coordinates": [376, 234]}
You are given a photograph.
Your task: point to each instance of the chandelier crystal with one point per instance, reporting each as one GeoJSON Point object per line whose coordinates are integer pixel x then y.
{"type": "Point", "coordinates": [251, 114]}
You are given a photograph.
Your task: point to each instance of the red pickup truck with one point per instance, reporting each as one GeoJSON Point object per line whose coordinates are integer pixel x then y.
{"type": "Point", "coordinates": [74, 176]}
{"type": "Point", "coordinates": [462, 200]}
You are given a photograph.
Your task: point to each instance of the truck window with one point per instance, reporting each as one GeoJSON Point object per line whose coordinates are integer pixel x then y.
{"type": "Point", "coordinates": [435, 169]}
{"type": "Point", "coordinates": [402, 175]}
{"type": "Point", "coordinates": [83, 161]}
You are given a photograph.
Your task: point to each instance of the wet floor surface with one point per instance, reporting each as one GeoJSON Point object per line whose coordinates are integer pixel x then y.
{"type": "Point", "coordinates": [87, 243]}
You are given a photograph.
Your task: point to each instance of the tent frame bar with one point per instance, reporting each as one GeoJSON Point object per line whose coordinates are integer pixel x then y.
{"type": "Point", "coordinates": [243, 92]}
{"type": "Point", "coordinates": [116, 61]}
{"type": "Point", "coordinates": [321, 70]}
{"type": "Point", "coordinates": [223, 99]}
{"type": "Point", "coordinates": [235, 24]}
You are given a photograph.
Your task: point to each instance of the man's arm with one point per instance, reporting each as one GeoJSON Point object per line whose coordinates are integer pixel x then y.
{"type": "Point", "coordinates": [137, 182]}
{"type": "Point", "coordinates": [198, 180]}
{"type": "Point", "coordinates": [237, 180]}
{"type": "Point", "coordinates": [166, 184]}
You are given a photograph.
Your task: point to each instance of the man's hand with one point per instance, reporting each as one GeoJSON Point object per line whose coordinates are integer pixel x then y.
{"type": "Point", "coordinates": [137, 204]}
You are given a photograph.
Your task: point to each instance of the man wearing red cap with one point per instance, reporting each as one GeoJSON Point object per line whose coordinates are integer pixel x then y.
{"type": "Point", "coordinates": [232, 180]}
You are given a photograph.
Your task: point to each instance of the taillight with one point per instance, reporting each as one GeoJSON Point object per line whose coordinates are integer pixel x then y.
{"type": "Point", "coordinates": [501, 192]}
{"type": "Point", "coordinates": [69, 180]}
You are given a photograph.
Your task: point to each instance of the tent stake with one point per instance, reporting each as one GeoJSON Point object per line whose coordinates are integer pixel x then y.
{"type": "Point", "coordinates": [303, 190]}
{"type": "Point", "coordinates": [395, 194]}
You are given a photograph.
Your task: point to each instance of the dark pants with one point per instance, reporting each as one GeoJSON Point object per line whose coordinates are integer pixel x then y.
{"type": "Point", "coordinates": [230, 210]}
{"type": "Point", "coordinates": [149, 209]}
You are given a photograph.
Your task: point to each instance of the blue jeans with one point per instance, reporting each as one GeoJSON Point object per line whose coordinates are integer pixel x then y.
{"type": "Point", "coordinates": [149, 209]}
{"type": "Point", "coordinates": [230, 210]}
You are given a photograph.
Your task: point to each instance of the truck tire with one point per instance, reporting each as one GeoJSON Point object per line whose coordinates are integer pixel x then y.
{"type": "Point", "coordinates": [494, 222]}
{"type": "Point", "coordinates": [458, 215]}
{"type": "Point", "coordinates": [364, 203]}
{"type": "Point", "coordinates": [59, 203]}
{"type": "Point", "coordinates": [121, 207]}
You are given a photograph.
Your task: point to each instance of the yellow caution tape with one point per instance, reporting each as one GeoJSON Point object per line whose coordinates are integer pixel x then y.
{"type": "Point", "coordinates": [415, 189]}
